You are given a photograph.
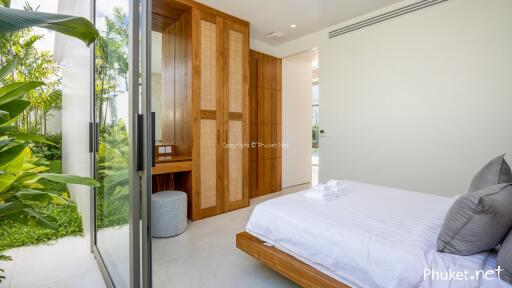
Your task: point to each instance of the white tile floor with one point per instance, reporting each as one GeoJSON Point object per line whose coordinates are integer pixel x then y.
{"type": "Point", "coordinates": [65, 263]}
{"type": "Point", "coordinates": [203, 256]}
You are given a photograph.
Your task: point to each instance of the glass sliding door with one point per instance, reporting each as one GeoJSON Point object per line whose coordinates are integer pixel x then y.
{"type": "Point", "coordinates": [120, 153]}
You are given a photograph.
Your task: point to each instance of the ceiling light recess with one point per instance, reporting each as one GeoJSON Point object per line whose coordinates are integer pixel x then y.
{"type": "Point", "coordinates": [274, 35]}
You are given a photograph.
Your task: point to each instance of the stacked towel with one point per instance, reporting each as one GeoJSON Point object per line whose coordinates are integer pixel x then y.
{"type": "Point", "coordinates": [327, 192]}
{"type": "Point", "coordinates": [335, 183]}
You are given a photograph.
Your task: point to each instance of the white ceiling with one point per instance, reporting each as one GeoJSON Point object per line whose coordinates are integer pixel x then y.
{"type": "Point", "coordinates": [268, 16]}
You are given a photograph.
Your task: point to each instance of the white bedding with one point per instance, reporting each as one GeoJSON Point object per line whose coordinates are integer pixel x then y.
{"type": "Point", "coordinates": [372, 237]}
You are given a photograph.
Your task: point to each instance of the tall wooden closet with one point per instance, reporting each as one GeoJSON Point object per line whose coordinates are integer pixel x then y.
{"type": "Point", "coordinates": [220, 109]}
{"type": "Point", "coordinates": [265, 124]}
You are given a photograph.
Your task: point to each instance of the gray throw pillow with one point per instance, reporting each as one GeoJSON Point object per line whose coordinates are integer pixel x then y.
{"type": "Point", "coordinates": [504, 260]}
{"type": "Point", "coordinates": [477, 221]}
{"type": "Point", "coordinates": [495, 172]}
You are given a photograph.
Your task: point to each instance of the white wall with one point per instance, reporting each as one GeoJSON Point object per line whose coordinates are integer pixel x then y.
{"type": "Point", "coordinates": [54, 122]}
{"type": "Point", "coordinates": [296, 113]}
{"type": "Point", "coordinates": [419, 102]}
{"type": "Point", "coordinates": [76, 76]}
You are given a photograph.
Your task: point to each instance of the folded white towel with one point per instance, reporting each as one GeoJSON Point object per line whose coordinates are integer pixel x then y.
{"type": "Point", "coordinates": [321, 187]}
{"type": "Point", "coordinates": [326, 192]}
{"type": "Point", "coordinates": [335, 183]}
{"type": "Point", "coordinates": [322, 195]}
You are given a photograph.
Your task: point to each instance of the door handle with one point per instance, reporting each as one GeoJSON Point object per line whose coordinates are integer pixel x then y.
{"type": "Point", "coordinates": [140, 142]}
{"type": "Point", "coordinates": [153, 139]}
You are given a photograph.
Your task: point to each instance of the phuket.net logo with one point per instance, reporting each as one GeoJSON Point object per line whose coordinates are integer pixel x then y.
{"type": "Point", "coordinates": [453, 275]}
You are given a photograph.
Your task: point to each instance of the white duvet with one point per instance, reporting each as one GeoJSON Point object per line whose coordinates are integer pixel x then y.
{"type": "Point", "coordinates": [372, 237]}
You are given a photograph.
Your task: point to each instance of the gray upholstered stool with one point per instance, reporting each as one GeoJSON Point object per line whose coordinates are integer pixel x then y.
{"type": "Point", "coordinates": [168, 213]}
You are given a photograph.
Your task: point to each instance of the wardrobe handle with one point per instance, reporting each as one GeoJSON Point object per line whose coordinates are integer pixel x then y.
{"type": "Point", "coordinates": [226, 136]}
{"type": "Point", "coordinates": [218, 136]}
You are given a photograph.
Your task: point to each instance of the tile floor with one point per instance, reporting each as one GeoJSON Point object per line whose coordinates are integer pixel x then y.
{"type": "Point", "coordinates": [66, 263]}
{"type": "Point", "coordinates": [203, 256]}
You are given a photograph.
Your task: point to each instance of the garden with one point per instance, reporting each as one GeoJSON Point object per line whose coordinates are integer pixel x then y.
{"type": "Point", "coordinates": [35, 206]}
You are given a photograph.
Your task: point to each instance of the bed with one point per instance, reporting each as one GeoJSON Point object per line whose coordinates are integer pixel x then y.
{"type": "Point", "coordinates": [371, 237]}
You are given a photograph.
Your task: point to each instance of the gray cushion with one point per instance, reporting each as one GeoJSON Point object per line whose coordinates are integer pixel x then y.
{"type": "Point", "coordinates": [495, 172]}
{"type": "Point", "coordinates": [168, 213]}
{"type": "Point", "coordinates": [477, 221]}
{"type": "Point", "coordinates": [505, 259]}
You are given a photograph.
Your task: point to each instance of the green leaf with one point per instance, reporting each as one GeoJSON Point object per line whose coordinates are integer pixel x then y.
{"type": "Point", "coordinates": [5, 3]}
{"type": "Point", "coordinates": [13, 20]}
{"type": "Point", "coordinates": [17, 90]}
{"type": "Point", "coordinates": [4, 142]}
{"type": "Point", "coordinates": [32, 217]}
{"type": "Point", "coordinates": [70, 179]}
{"type": "Point", "coordinates": [4, 117]}
{"type": "Point", "coordinates": [11, 207]}
{"type": "Point", "coordinates": [7, 68]}
{"type": "Point", "coordinates": [40, 196]}
{"type": "Point", "coordinates": [6, 180]}
{"type": "Point", "coordinates": [30, 137]}
{"type": "Point", "coordinates": [11, 153]}
{"type": "Point", "coordinates": [5, 129]}
{"type": "Point", "coordinates": [15, 107]}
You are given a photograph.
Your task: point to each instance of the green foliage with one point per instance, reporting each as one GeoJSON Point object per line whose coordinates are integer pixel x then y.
{"type": "Point", "coordinates": [21, 173]}
{"type": "Point", "coordinates": [13, 234]}
{"type": "Point", "coordinates": [50, 148]}
{"type": "Point", "coordinates": [28, 65]}
{"type": "Point", "coordinates": [12, 20]}
{"type": "Point", "coordinates": [111, 65]}
{"type": "Point", "coordinates": [113, 162]}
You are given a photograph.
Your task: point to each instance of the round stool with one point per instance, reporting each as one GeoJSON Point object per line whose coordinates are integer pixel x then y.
{"type": "Point", "coordinates": [168, 213]}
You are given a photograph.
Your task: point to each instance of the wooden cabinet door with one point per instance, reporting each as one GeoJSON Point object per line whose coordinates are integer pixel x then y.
{"type": "Point", "coordinates": [236, 121]}
{"type": "Point", "coordinates": [268, 169]}
{"type": "Point", "coordinates": [208, 154]}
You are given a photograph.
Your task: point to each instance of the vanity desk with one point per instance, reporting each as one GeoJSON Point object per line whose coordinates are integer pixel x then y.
{"type": "Point", "coordinates": [174, 173]}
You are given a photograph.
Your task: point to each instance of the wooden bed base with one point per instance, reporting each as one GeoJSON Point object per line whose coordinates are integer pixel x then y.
{"type": "Point", "coordinates": [289, 266]}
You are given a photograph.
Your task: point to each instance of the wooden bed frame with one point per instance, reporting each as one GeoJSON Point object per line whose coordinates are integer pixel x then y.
{"type": "Point", "coordinates": [288, 266]}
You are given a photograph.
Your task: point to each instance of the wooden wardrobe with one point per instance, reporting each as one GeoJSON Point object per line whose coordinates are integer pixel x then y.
{"type": "Point", "coordinates": [220, 107]}
{"type": "Point", "coordinates": [207, 112]}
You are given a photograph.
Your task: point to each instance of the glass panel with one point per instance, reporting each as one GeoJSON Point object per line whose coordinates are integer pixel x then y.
{"type": "Point", "coordinates": [316, 128]}
{"type": "Point", "coordinates": [112, 157]}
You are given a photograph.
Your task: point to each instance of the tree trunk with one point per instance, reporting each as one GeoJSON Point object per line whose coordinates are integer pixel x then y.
{"type": "Point", "coordinates": [44, 123]}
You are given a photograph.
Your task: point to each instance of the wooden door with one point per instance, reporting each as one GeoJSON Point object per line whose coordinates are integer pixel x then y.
{"type": "Point", "coordinates": [208, 121]}
{"type": "Point", "coordinates": [236, 122]}
{"type": "Point", "coordinates": [265, 165]}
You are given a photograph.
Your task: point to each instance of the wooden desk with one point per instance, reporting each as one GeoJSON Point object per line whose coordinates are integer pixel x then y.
{"type": "Point", "coordinates": [174, 173]}
{"type": "Point", "coordinates": [172, 164]}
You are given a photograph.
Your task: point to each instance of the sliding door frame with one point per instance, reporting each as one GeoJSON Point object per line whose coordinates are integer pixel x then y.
{"type": "Point", "coordinates": [140, 179]}
{"type": "Point", "coordinates": [149, 142]}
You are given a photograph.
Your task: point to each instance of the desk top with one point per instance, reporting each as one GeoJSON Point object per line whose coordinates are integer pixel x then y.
{"type": "Point", "coordinates": [175, 158]}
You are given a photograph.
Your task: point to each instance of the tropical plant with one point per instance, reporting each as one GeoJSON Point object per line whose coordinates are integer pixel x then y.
{"type": "Point", "coordinates": [113, 157]}
{"type": "Point", "coordinates": [20, 171]}
{"type": "Point", "coordinates": [48, 151]}
{"type": "Point", "coordinates": [111, 64]}
{"type": "Point", "coordinates": [35, 65]}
